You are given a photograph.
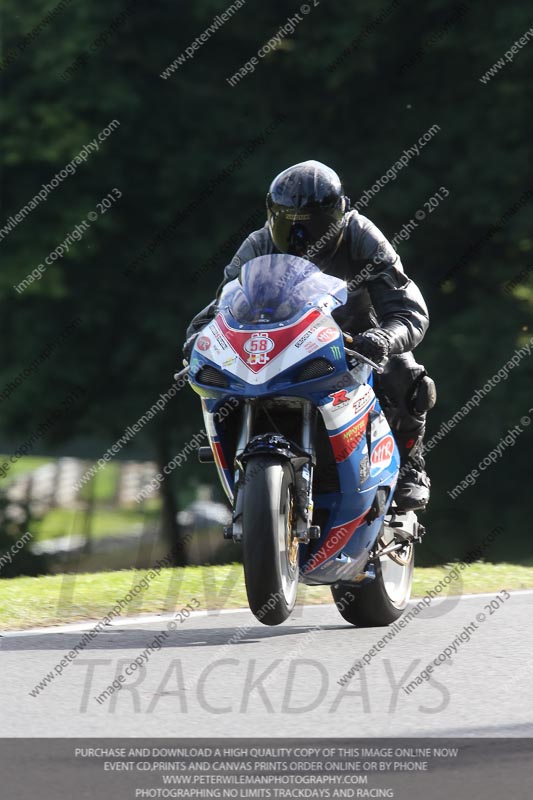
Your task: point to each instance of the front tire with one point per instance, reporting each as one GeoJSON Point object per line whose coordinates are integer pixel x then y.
{"type": "Point", "coordinates": [384, 599]}
{"type": "Point", "coordinates": [270, 549]}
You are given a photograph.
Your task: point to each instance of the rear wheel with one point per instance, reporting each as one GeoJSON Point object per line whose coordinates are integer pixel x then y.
{"type": "Point", "coordinates": [384, 599]}
{"type": "Point", "coordinates": [270, 548]}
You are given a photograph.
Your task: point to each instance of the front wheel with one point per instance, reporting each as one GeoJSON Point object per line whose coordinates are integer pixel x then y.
{"type": "Point", "coordinates": [270, 548]}
{"type": "Point", "coordinates": [384, 599]}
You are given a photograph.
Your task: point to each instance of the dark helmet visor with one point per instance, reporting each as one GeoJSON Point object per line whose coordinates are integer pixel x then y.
{"type": "Point", "coordinates": [305, 232]}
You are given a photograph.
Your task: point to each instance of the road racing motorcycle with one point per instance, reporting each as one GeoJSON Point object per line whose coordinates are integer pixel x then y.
{"type": "Point", "coordinates": [302, 448]}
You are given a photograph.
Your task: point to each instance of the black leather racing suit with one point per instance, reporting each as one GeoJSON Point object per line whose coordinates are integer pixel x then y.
{"type": "Point", "coordinates": [379, 294]}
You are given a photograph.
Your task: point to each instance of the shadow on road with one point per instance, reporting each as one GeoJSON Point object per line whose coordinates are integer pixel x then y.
{"type": "Point", "coordinates": [127, 638]}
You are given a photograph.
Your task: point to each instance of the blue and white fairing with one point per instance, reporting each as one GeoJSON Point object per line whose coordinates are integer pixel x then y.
{"type": "Point", "coordinates": [269, 321]}
{"type": "Point", "coordinates": [274, 336]}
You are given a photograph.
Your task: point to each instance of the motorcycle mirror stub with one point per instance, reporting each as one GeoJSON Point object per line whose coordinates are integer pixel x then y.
{"type": "Point", "coordinates": [205, 455]}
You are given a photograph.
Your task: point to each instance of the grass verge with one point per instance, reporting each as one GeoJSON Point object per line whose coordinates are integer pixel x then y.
{"type": "Point", "coordinates": [104, 522]}
{"type": "Point", "coordinates": [58, 599]}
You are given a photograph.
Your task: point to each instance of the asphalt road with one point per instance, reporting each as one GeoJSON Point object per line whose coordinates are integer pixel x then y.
{"type": "Point", "coordinates": [281, 681]}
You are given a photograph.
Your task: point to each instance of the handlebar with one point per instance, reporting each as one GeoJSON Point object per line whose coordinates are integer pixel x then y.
{"type": "Point", "coordinates": [365, 360]}
{"type": "Point", "coordinates": [181, 373]}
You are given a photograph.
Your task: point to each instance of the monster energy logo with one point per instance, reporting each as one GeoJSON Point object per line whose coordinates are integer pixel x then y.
{"type": "Point", "coordinates": [336, 351]}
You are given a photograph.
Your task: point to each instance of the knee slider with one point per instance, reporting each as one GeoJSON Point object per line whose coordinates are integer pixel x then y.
{"type": "Point", "coordinates": [424, 395]}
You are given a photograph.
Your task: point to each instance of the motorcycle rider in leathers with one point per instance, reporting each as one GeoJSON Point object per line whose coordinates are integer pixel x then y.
{"type": "Point", "coordinates": [309, 216]}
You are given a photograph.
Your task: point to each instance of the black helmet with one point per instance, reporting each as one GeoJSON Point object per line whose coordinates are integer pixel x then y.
{"type": "Point", "coordinates": [306, 208]}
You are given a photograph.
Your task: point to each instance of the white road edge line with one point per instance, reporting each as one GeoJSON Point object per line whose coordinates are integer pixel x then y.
{"type": "Point", "coordinates": [75, 627]}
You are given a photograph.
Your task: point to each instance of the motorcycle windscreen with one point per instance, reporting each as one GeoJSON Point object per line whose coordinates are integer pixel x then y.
{"type": "Point", "coordinates": [275, 288]}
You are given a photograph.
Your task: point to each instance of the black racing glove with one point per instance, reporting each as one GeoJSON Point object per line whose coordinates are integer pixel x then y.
{"type": "Point", "coordinates": [373, 344]}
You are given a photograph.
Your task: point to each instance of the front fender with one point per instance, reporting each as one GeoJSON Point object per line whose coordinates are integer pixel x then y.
{"type": "Point", "coordinates": [274, 444]}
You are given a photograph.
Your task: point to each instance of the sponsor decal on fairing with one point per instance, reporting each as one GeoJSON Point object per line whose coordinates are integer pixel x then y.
{"type": "Point", "coordinates": [310, 347]}
{"type": "Point", "coordinates": [362, 399]}
{"type": "Point", "coordinates": [345, 406]}
{"type": "Point", "coordinates": [327, 335]}
{"type": "Point", "coordinates": [382, 455]}
{"type": "Point", "coordinates": [203, 343]}
{"type": "Point", "coordinates": [345, 442]}
{"type": "Point", "coordinates": [258, 346]}
{"type": "Point", "coordinates": [339, 398]}
{"type": "Point", "coordinates": [259, 356]}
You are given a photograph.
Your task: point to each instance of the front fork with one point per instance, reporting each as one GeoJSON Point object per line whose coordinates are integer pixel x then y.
{"type": "Point", "coordinates": [305, 530]}
{"type": "Point", "coordinates": [302, 462]}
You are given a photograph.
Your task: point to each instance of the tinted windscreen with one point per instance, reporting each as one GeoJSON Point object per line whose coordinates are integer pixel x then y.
{"type": "Point", "coordinates": [275, 288]}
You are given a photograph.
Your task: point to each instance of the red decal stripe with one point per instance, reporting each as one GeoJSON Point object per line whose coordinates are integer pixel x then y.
{"type": "Point", "coordinates": [336, 539]}
{"type": "Point", "coordinates": [345, 442]}
{"type": "Point", "coordinates": [282, 337]}
{"type": "Point", "coordinates": [219, 455]}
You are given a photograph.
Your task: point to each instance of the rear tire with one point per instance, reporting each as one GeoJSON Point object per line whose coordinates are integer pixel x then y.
{"type": "Point", "coordinates": [384, 599]}
{"type": "Point", "coordinates": [270, 551]}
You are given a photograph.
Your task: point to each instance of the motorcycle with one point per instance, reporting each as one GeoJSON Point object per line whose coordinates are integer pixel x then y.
{"type": "Point", "coordinates": [302, 448]}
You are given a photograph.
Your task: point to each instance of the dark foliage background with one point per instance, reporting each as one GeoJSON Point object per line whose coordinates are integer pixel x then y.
{"type": "Point", "coordinates": [415, 66]}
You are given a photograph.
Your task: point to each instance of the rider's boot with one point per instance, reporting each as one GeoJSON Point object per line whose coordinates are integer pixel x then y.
{"type": "Point", "coordinates": [412, 489]}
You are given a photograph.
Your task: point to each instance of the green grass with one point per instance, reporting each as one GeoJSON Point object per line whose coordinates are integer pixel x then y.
{"type": "Point", "coordinates": [23, 465]}
{"type": "Point", "coordinates": [105, 481]}
{"type": "Point", "coordinates": [29, 602]}
{"type": "Point", "coordinates": [105, 522]}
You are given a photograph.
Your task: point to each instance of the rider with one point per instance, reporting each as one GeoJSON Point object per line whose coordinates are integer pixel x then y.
{"type": "Point", "coordinates": [309, 216]}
